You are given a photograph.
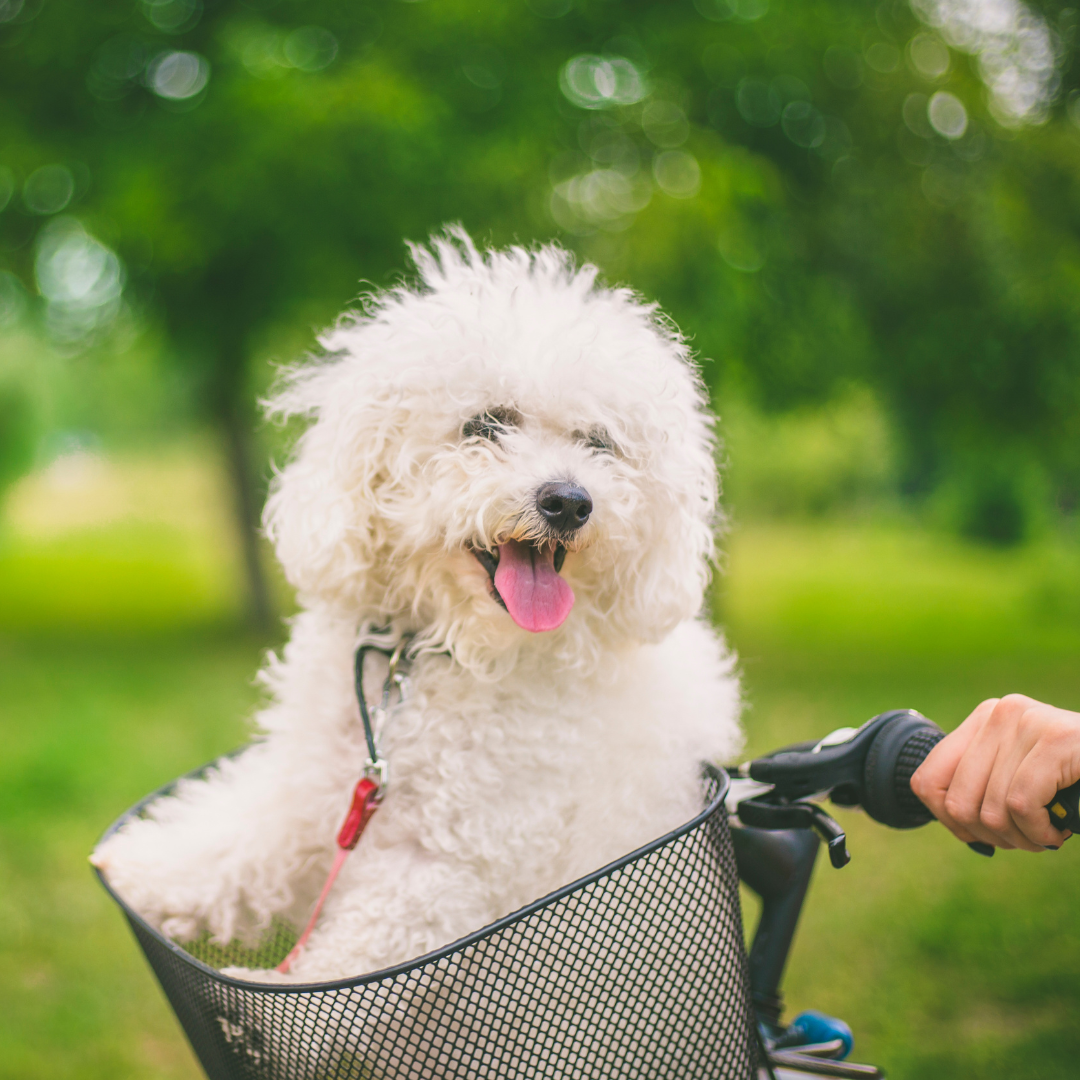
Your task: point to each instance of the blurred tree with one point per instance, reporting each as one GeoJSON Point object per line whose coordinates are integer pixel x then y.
{"type": "Point", "coordinates": [245, 187]}
{"type": "Point", "coordinates": [17, 433]}
{"type": "Point", "coordinates": [920, 233]}
{"type": "Point", "coordinates": [826, 192]}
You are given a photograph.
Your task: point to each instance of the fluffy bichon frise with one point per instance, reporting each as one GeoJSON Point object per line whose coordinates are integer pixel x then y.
{"type": "Point", "coordinates": [515, 466]}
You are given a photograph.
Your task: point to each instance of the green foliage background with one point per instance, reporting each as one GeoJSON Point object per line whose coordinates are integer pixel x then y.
{"type": "Point", "coordinates": [938, 270]}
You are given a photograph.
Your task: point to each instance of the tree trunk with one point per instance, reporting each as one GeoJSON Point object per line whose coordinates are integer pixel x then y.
{"type": "Point", "coordinates": [248, 514]}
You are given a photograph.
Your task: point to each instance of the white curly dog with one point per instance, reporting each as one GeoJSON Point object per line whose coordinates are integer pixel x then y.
{"type": "Point", "coordinates": [515, 465]}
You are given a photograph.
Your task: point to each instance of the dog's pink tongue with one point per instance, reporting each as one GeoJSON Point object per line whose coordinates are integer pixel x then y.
{"type": "Point", "coordinates": [534, 594]}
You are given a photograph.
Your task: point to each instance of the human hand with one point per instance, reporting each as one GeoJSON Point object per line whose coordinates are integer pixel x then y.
{"type": "Point", "coordinates": [991, 778]}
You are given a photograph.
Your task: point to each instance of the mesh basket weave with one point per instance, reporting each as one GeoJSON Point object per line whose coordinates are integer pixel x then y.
{"type": "Point", "coordinates": [638, 970]}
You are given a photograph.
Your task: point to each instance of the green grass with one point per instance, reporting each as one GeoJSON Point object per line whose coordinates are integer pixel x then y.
{"type": "Point", "coordinates": [947, 965]}
{"type": "Point", "coordinates": [111, 581]}
{"type": "Point", "coordinates": [88, 727]}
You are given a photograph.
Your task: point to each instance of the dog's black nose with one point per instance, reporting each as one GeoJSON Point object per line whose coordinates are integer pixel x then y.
{"type": "Point", "coordinates": [565, 506]}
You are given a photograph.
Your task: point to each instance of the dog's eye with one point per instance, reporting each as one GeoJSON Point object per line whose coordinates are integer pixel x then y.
{"type": "Point", "coordinates": [597, 438]}
{"type": "Point", "coordinates": [489, 425]}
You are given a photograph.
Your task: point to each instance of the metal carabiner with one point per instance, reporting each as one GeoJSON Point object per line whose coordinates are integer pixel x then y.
{"type": "Point", "coordinates": [376, 768]}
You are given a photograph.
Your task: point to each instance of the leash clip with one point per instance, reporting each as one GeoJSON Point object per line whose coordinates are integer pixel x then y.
{"type": "Point", "coordinates": [378, 772]}
{"type": "Point", "coordinates": [375, 768]}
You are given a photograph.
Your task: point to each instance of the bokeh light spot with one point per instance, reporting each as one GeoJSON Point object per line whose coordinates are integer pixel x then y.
{"type": "Point", "coordinates": [80, 278]}
{"type": "Point", "coordinates": [599, 82]}
{"type": "Point", "coordinates": [49, 189]}
{"type": "Point", "coordinates": [73, 267]}
{"type": "Point", "coordinates": [310, 48]}
{"type": "Point", "coordinates": [1016, 52]}
{"type": "Point", "coordinates": [882, 57]}
{"type": "Point", "coordinates": [929, 56]}
{"type": "Point", "coordinates": [10, 9]}
{"type": "Point", "coordinates": [602, 198]}
{"type": "Point", "coordinates": [678, 174]}
{"type": "Point", "coordinates": [261, 51]}
{"type": "Point", "coordinates": [178, 76]}
{"type": "Point", "coordinates": [665, 124]}
{"type": "Point", "coordinates": [947, 115]}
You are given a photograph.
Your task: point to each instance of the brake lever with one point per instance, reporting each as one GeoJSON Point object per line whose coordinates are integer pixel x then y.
{"type": "Point", "coordinates": [761, 812]}
{"type": "Point", "coordinates": [828, 828]}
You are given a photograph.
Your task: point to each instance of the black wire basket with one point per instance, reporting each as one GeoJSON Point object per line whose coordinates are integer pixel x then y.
{"type": "Point", "coordinates": [636, 971]}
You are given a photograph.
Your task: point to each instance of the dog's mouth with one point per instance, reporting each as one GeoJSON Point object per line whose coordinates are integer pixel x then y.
{"type": "Point", "coordinates": [525, 580]}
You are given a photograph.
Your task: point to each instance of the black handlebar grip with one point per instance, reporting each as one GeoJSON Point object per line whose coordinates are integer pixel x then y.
{"type": "Point", "coordinates": [893, 757]}
{"type": "Point", "coordinates": [1065, 809]}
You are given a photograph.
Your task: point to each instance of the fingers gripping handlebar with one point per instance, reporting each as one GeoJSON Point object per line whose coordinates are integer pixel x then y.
{"type": "Point", "coordinates": [871, 767]}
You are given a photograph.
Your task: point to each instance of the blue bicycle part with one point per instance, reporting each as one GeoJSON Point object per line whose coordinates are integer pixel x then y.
{"type": "Point", "coordinates": [812, 1027]}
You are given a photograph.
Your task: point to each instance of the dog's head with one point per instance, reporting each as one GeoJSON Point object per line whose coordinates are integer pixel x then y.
{"type": "Point", "coordinates": [506, 456]}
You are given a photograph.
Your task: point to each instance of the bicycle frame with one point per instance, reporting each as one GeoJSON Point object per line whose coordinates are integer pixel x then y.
{"type": "Point", "coordinates": [777, 866]}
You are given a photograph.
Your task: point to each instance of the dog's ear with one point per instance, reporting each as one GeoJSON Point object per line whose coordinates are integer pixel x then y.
{"type": "Point", "coordinates": [679, 530]}
{"type": "Point", "coordinates": [321, 515]}
{"type": "Point", "coordinates": [682, 550]}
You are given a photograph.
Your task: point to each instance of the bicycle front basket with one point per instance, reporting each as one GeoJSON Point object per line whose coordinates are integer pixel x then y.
{"type": "Point", "coordinates": [636, 971]}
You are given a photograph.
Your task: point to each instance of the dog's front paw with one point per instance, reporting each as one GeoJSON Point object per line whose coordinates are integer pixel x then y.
{"type": "Point", "coordinates": [170, 894]}
{"type": "Point", "coordinates": [103, 855]}
{"type": "Point", "coordinates": [130, 870]}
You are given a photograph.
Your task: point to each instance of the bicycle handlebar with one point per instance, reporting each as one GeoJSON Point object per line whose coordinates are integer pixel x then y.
{"type": "Point", "coordinates": [871, 767]}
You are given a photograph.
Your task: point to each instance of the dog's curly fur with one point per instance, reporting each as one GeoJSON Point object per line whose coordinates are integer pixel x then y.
{"type": "Point", "coordinates": [521, 760]}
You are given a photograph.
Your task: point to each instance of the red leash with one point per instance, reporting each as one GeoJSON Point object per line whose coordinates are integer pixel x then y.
{"type": "Point", "coordinates": [369, 790]}
{"type": "Point", "coordinates": [365, 802]}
